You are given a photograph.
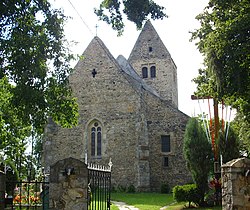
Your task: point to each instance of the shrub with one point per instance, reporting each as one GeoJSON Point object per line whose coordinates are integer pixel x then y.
{"type": "Point", "coordinates": [186, 193]}
{"type": "Point", "coordinates": [165, 188]}
{"type": "Point", "coordinates": [121, 188]}
{"type": "Point", "coordinates": [131, 189]}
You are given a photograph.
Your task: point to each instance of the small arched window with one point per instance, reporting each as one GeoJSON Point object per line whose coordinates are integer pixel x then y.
{"type": "Point", "coordinates": [96, 139]}
{"type": "Point", "coordinates": [144, 72]}
{"type": "Point", "coordinates": [152, 72]}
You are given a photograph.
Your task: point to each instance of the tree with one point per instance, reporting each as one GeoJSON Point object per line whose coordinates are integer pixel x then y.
{"type": "Point", "coordinates": [198, 154]}
{"type": "Point", "coordinates": [229, 145]}
{"type": "Point", "coordinates": [34, 58]}
{"type": "Point", "coordinates": [13, 131]}
{"type": "Point", "coordinates": [241, 126]}
{"type": "Point", "coordinates": [34, 69]}
{"type": "Point", "coordinates": [136, 11]}
{"type": "Point", "coordinates": [223, 39]}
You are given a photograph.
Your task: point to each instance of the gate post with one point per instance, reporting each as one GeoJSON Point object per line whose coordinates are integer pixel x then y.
{"type": "Point", "coordinates": [2, 190]}
{"type": "Point", "coordinates": [68, 185]}
{"type": "Point", "coordinates": [236, 184]}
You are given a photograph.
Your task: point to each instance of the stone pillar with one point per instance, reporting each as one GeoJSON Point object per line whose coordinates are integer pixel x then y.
{"type": "Point", "coordinates": [2, 190]}
{"type": "Point", "coordinates": [236, 184]}
{"type": "Point", "coordinates": [68, 185]}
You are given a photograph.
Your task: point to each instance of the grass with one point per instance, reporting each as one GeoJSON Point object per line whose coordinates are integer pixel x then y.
{"type": "Point", "coordinates": [144, 201]}
{"type": "Point", "coordinates": [114, 207]}
{"type": "Point", "coordinates": [151, 201]}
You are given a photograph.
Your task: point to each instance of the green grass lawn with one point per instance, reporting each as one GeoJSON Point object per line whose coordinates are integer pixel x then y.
{"type": "Point", "coordinates": [144, 201]}
{"type": "Point", "coordinates": [151, 201]}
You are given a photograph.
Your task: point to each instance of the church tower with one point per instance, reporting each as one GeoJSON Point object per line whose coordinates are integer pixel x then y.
{"type": "Point", "coordinates": [152, 61]}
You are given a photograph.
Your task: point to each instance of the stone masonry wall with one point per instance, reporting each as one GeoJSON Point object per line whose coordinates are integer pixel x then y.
{"type": "Point", "coordinates": [163, 119]}
{"type": "Point", "coordinates": [132, 121]}
{"type": "Point", "coordinates": [110, 100]}
{"type": "Point", "coordinates": [236, 185]}
{"type": "Point", "coordinates": [148, 51]}
{"type": "Point", "coordinates": [68, 185]}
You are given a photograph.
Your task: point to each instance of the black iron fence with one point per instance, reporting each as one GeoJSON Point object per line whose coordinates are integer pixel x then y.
{"type": "Point", "coordinates": [99, 179]}
{"type": "Point", "coordinates": [27, 195]}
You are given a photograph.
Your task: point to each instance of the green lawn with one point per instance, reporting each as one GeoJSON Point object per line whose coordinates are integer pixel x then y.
{"type": "Point", "coordinates": [144, 201]}
{"type": "Point", "coordinates": [151, 201]}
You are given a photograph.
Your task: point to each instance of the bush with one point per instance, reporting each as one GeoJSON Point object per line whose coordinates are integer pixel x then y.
{"type": "Point", "coordinates": [186, 193]}
{"type": "Point", "coordinates": [121, 188]}
{"type": "Point", "coordinates": [165, 188]}
{"type": "Point", "coordinates": [131, 189]}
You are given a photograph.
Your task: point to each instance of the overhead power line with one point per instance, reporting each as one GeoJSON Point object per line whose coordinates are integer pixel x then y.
{"type": "Point", "coordinates": [81, 18]}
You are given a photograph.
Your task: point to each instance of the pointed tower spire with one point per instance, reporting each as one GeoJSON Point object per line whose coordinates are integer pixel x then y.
{"type": "Point", "coordinates": [148, 44]}
{"type": "Point", "coordinates": [152, 61]}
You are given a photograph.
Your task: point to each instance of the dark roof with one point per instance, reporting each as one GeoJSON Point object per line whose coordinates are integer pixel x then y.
{"type": "Point", "coordinates": [128, 69]}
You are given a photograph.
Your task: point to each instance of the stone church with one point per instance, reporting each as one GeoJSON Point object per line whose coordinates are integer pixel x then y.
{"type": "Point", "coordinates": [128, 112]}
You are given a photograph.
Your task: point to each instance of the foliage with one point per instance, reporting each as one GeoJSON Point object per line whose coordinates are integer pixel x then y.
{"type": "Point", "coordinates": [34, 58]}
{"type": "Point", "coordinates": [34, 69]}
{"type": "Point", "coordinates": [229, 145]}
{"type": "Point", "coordinates": [131, 189]}
{"type": "Point", "coordinates": [136, 11]}
{"type": "Point", "coordinates": [188, 193]}
{"type": "Point", "coordinates": [165, 188]}
{"type": "Point", "coordinates": [198, 154]}
{"type": "Point", "coordinates": [13, 130]}
{"type": "Point", "coordinates": [121, 188]}
{"type": "Point", "coordinates": [223, 39]}
{"type": "Point", "coordinates": [241, 127]}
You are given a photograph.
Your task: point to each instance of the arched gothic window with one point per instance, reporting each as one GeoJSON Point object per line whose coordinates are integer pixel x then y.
{"type": "Point", "coordinates": [96, 139]}
{"type": "Point", "coordinates": [152, 72]}
{"type": "Point", "coordinates": [144, 72]}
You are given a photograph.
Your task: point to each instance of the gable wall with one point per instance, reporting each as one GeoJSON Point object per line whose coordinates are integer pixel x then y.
{"type": "Point", "coordinates": [110, 99]}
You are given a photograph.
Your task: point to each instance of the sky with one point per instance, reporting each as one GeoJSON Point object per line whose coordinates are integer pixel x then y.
{"type": "Point", "coordinates": [174, 32]}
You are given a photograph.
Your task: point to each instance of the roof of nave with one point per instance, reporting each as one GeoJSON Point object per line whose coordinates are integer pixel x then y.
{"type": "Point", "coordinates": [128, 69]}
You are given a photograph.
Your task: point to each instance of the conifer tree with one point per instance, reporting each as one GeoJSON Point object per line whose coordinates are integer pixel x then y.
{"type": "Point", "coordinates": [198, 154]}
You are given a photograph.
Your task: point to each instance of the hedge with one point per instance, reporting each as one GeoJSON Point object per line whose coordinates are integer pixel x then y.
{"type": "Point", "coordinates": [186, 193]}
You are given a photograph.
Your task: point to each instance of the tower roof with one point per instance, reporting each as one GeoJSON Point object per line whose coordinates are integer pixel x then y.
{"type": "Point", "coordinates": [148, 44]}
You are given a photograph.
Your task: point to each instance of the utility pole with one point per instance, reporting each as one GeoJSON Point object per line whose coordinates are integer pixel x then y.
{"type": "Point", "coordinates": [214, 131]}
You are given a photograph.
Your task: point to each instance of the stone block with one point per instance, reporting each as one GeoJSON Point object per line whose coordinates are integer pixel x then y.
{"type": "Point", "coordinates": [68, 185]}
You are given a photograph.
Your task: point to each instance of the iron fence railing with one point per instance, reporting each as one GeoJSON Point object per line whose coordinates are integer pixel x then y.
{"type": "Point", "coordinates": [27, 195]}
{"type": "Point", "coordinates": [99, 188]}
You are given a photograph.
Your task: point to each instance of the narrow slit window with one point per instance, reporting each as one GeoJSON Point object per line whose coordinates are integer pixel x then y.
{"type": "Point", "coordinates": [165, 143]}
{"type": "Point", "coordinates": [99, 141]}
{"type": "Point", "coordinates": [144, 72]}
{"type": "Point", "coordinates": [152, 72]}
{"type": "Point", "coordinates": [165, 162]}
{"type": "Point", "coordinates": [93, 133]}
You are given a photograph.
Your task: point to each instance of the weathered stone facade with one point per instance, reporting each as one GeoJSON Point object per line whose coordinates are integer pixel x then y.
{"type": "Point", "coordinates": [236, 184]}
{"type": "Point", "coordinates": [133, 120]}
{"type": "Point", "coordinates": [68, 185]}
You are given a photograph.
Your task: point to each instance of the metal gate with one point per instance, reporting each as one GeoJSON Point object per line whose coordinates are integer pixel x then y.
{"type": "Point", "coordinates": [35, 195]}
{"type": "Point", "coordinates": [27, 195]}
{"type": "Point", "coordinates": [99, 187]}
